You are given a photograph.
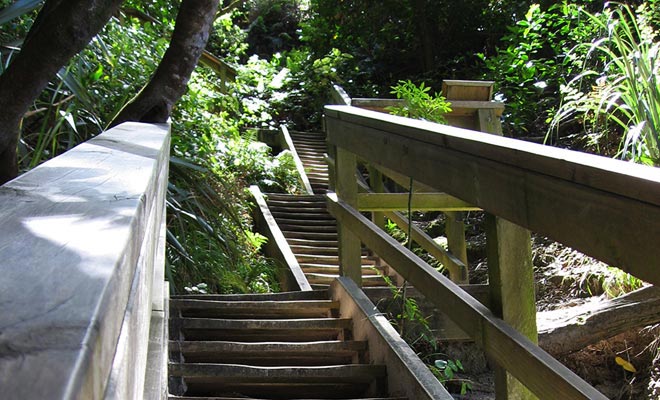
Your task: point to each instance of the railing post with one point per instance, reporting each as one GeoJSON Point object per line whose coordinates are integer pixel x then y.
{"type": "Point", "coordinates": [350, 248]}
{"type": "Point", "coordinates": [376, 183]}
{"type": "Point", "coordinates": [455, 231]}
{"type": "Point", "coordinates": [510, 278]}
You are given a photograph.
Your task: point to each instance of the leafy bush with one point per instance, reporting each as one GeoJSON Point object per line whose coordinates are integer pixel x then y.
{"type": "Point", "coordinates": [419, 103]}
{"type": "Point", "coordinates": [626, 92]}
{"type": "Point", "coordinates": [530, 65]}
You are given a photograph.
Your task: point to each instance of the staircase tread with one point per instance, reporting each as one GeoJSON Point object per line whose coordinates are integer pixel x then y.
{"type": "Point", "coordinates": [255, 346]}
{"type": "Point", "coordinates": [265, 324]}
{"type": "Point", "coordinates": [171, 397]}
{"type": "Point", "coordinates": [237, 373]}
{"type": "Point", "coordinates": [239, 305]}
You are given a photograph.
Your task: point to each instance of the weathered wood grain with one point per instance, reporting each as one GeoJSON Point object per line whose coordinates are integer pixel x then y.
{"type": "Point", "coordinates": [541, 373]}
{"type": "Point", "coordinates": [292, 278]}
{"type": "Point", "coordinates": [406, 374]}
{"type": "Point", "coordinates": [605, 208]}
{"type": "Point", "coordinates": [71, 234]}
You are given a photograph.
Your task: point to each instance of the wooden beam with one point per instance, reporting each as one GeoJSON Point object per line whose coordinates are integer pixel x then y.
{"type": "Point", "coordinates": [511, 276]}
{"type": "Point", "coordinates": [406, 374]}
{"type": "Point", "coordinates": [541, 373]}
{"type": "Point", "coordinates": [293, 278]}
{"type": "Point", "coordinates": [420, 202]}
{"type": "Point", "coordinates": [605, 208]}
{"type": "Point", "coordinates": [350, 248]}
{"type": "Point", "coordinates": [296, 159]}
{"type": "Point", "coordinates": [458, 271]}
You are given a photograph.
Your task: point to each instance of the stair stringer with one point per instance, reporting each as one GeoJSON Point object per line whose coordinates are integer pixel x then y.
{"type": "Point", "coordinates": [406, 373]}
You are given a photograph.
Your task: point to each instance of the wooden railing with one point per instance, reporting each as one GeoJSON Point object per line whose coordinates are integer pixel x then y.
{"type": "Point", "coordinates": [82, 298]}
{"type": "Point", "coordinates": [605, 208]}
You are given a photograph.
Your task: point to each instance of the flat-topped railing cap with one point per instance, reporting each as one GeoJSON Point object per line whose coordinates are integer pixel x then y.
{"type": "Point", "coordinates": [625, 178]}
{"type": "Point", "coordinates": [69, 231]}
{"type": "Point", "coordinates": [605, 208]}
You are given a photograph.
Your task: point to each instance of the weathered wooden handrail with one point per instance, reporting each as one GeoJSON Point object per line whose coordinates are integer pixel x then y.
{"type": "Point", "coordinates": [292, 277]}
{"type": "Point", "coordinates": [541, 373]}
{"type": "Point", "coordinates": [81, 260]}
{"type": "Point", "coordinates": [605, 208]}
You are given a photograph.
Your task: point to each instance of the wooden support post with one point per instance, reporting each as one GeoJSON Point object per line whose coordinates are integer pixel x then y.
{"type": "Point", "coordinates": [376, 183]}
{"type": "Point", "coordinates": [510, 276]}
{"type": "Point", "coordinates": [455, 231]}
{"type": "Point", "coordinates": [350, 248]}
{"type": "Point", "coordinates": [511, 283]}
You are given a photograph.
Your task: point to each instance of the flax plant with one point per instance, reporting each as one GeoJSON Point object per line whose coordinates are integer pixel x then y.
{"type": "Point", "coordinates": [622, 69]}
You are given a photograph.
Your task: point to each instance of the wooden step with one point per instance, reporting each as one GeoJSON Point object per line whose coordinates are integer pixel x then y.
{"type": "Point", "coordinates": [331, 228]}
{"type": "Point", "coordinates": [336, 381]}
{"type": "Point", "coordinates": [310, 222]}
{"type": "Point", "coordinates": [326, 279]}
{"type": "Point", "coordinates": [254, 309]}
{"type": "Point", "coordinates": [172, 397]}
{"type": "Point", "coordinates": [330, 258]}
{"type": "Point", "coordinates": [282, 296]}
{"type": "Point", "coordinates": [334, 269]}
{"type": "Point", "coordinates": [272, 353]}
{"type": "Point", "coordinates": [263, 330]}
{"type": "Point", "coordinates": [310, 235]}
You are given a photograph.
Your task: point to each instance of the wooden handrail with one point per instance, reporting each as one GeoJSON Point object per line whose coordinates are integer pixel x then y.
{"type": "Point", "coordinates": [536, 369]}
{"type": "Point", "coordinates": [605, 208]}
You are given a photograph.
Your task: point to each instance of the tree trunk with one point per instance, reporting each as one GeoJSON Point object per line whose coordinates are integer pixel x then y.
{"type": "Point", "coordinates": [62, 30]}
{"type": "Point", "coordinates": [191, 32]}
{"type": "Point", "coordinates": [608, 319]}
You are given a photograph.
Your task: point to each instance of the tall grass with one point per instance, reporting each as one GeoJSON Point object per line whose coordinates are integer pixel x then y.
{"type": "Point", "coordinates": [621, 73]}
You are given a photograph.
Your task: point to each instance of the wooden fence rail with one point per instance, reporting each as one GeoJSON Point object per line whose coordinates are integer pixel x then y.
{"type": "Point", "coordinates": [81, 265]}
{"type": "Point", "coordinates": [605, 208]}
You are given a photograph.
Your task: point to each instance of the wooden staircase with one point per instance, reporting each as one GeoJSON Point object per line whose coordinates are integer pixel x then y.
{"type": "Point", "coordinates": [310, 231]}
{"type": "Point", "coordinates": [292, 345]}
{"type": "Point", "coordinates": [311, 149]}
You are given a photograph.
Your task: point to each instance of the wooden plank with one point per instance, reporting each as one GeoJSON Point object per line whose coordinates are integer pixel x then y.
{"type": "Point", "coordinates": [277, 245]}
{"type": "Point", "coordinates": [467, 90]}
{"type": "Point", "coordinates": [541, 373]}
{"type": "Point", "coordinates": [511, 284]}
{"type": "Point", "coordinates": [377, 185]}
{"type": "Point", "coordinates": [71, 231]}
{"type": "Point", "coordinates": [406, 374]}
{"type": "Point", "coordinates": [511, 276]}
{"type": "Point", "coordinates": [458, 271]}
{"type": "Point", "coordinates": [604, 208]}
{"type": "Point", "coordinates": [614, 176]}
{"type": "Point", "coordinates": [420, 202]}
{"type": "Point", "coordinates": [455, 232]}
{"type": "Point", "coordinates": [299, 164]}
{"type": "Point", "coordinates": [350, 248]}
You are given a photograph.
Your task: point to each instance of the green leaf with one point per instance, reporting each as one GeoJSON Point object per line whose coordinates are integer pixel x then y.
{"type": "Point", "coordinates": [18, 8]}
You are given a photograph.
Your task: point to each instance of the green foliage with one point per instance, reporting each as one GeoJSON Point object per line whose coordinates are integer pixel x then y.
{"type": "Point", "coordinates": [618, 282]}
{"type": "Point", "coordinates": [412, 39]}
{"type": "Point", "coordinates": [272, 26]}
{"type": "Point", "coordinates": [445, 371]}
{"type": "Point", "coordinates": [419, 103]}
{"type": "Point", "coordinates": [626, 91]}
{"type": "Point", "coordinates": [211, 247]}
{"type": "Point", "coordinates": [529, 65]}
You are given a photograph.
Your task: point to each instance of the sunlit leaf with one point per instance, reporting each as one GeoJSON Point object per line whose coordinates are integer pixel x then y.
{"type": "Point", "coordinates": [625, 364]}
